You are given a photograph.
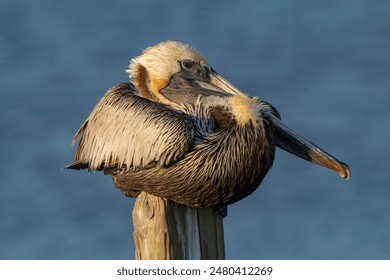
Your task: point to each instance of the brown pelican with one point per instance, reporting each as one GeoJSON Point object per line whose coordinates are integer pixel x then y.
{"type": "Point", "coordinates": [181, 131]}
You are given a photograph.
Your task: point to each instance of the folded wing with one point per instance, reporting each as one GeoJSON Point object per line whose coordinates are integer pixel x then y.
{"type": "Point", "coordinates": [126, 131]}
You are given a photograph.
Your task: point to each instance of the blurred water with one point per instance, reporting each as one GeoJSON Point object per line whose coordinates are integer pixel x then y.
{"type": "Point", "coordinates": [324, 64]}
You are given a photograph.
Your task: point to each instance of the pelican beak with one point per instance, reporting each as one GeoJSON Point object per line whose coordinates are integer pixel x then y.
{"type": "Point", "coordinates": [223, 85]}
{"type": "Point", "coordinates": [218, 84]}
{"type": "Point", "coordinates": [290, 141]}
{"type": "Point", "coordinates": [210, 84]}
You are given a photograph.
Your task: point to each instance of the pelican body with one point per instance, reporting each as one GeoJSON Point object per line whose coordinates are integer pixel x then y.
{"type": "Point", "coordinates": [181, 131]}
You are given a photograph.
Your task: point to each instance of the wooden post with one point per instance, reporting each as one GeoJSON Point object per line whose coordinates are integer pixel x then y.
{"type": "Point", "coordinates": [165, 230]}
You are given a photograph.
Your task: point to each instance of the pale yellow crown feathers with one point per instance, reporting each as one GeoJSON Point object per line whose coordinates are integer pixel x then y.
{"type": "Point", "coordinates": [161, 62]}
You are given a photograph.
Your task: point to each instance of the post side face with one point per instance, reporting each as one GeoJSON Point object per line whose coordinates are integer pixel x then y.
{"type": "Point", "coordinates": [165, 230]}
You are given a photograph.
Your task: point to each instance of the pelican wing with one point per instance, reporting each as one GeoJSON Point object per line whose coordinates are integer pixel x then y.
{"type": "Point", "coordinates": [127, 131]}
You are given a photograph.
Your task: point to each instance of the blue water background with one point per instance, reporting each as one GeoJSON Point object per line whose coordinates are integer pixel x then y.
{"type": "Point", "coordinates": [324, 64]}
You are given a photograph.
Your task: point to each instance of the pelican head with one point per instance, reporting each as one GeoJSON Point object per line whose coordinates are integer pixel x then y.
{"type": "Point", "coordinates": [178, 65]}
{"type": "Point", "coordinates": [154, 68]}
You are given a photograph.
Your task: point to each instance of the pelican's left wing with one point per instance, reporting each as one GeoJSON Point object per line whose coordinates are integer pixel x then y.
{"type": "Point", "coordinates": [126, 131]}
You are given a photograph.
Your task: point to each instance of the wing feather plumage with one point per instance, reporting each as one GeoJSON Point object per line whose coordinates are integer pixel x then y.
{"type": "Point", "coordinates": [127, 131]}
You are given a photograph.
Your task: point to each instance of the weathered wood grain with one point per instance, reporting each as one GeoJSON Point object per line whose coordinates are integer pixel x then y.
{"type": "Point", "coordinates": [165, 230]}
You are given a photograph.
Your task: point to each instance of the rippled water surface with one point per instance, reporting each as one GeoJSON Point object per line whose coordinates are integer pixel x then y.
{"type": "Point", "coordinates": [324, 64]}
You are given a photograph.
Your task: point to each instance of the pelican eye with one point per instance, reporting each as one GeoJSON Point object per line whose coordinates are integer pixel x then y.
{"type": "Point", "coordinates": [187, 64]}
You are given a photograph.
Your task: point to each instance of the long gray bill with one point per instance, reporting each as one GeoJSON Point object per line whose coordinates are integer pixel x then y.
{"type": "Point", "coordinates": [295, 144]}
